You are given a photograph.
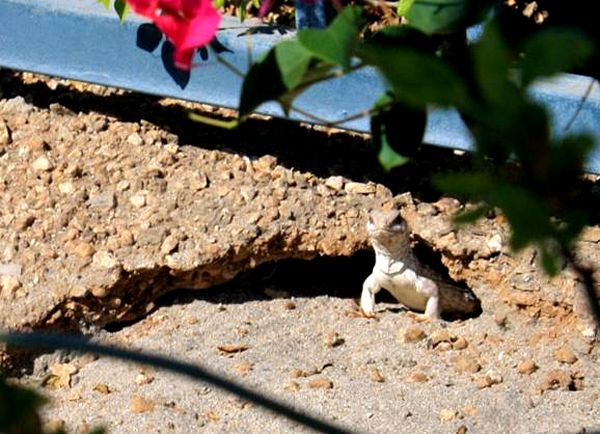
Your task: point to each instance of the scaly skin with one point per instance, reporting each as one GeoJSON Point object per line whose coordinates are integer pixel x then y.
{"type": "Point", "coordinates": [399, 271]}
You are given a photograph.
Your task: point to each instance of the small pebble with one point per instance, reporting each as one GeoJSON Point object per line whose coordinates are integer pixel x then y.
{"type": "Point", "coordinates": [140, 405]}
{"type": "Point", "coordinates": [565, 355]}
{"type": "Point", "coordinates": [526, 367]}
{"type": "Point", "coordinates": [292, 386]}
{"type": "Point", "coordinates": [138, 200]}
{"type": "Point", "coordinates": [376, 376]}
{"type": "Point", "coordinates": [557, 379]}
{"type": "Point", "coordinates": [42, 164]}
{"type": "Point", "coordinates": [412, 335]}
{"type": "Point", "coordinates": [320, 383]}
{"type": "Point", "coordinates": [490, 379]}
{"type": "Point", "coordinates": [466, 364]}
{"type": "Point", "coordinates": [447, 415]}
{"type": "Point", "coordinates": [333, 340]}
{"type": "Point", "coordinates": [417, 377]}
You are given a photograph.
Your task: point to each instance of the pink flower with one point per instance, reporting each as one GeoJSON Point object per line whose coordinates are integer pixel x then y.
{"type": "Point", "coordinates": [188, 24]}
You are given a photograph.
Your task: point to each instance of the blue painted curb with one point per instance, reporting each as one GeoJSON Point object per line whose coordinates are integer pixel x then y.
{"type": "Point", "coordinates": [80, 40]}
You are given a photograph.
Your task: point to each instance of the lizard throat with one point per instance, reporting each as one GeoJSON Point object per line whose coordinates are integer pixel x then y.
{"type": "Point", "coordinates": [391, 245]}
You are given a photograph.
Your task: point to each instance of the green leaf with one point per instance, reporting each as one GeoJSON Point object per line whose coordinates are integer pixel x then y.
{"type": "Point", "coordinates": [278, 76]}
{"type": "Point", "coordinates": [552, 50]}
{"type": "Point", "coordinates": [404, 36]}
{"type": "Point", "coordinates": [106, 3]}
{"type": "Point", "coordinates": [445, 16]}
{"type": "Point", "coordinates": [387, 157]}
{"type": "Point", "coordinates": [471, 215]}
{"type": "Point", "coordinates": [293, 61]}
{"type": "Point", "coordinates": [262, 83]}
{"type": "Point", "coordinates": [336, 43]}
{"type": "Point", "coordinates": [397, 130]}
{"type": "Point", "coordinates": [404, 7]}
{"type": "Point", "coordinates": [417, 78]}
{"type": "Point", "coordinates": [550, 260]}
{"type": "Point", "coordinates": [492, 60]}
{"type": "Point", "coordinates": [529, 215]}
{"type": "Point", "coordinates": [122, 9]}
{"type": "Point", "coordinates": [18, 409]}
{"type": "Point", "coordinates": [569, 154]}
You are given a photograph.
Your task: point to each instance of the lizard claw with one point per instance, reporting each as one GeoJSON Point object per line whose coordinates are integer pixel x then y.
{"type": "Point", "coordinates": [369, 315]}
{"type": "Point", "coordinates": [419, 317]}
{"type": "Point", "coordinates": [359, 313]}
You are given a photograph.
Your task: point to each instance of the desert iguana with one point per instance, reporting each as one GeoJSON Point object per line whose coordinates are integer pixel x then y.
{"type": "Point", "coordinates": [399, 271]}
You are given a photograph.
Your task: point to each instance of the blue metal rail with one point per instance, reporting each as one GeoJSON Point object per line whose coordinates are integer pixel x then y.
{"type": "Point", "coordinates": [80, 40]}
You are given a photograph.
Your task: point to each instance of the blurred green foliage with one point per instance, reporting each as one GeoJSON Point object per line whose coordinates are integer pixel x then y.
{"type": "Point", "coordinates": [519, 166]}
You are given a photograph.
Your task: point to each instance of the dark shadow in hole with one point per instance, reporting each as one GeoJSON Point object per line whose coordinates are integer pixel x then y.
{"type": "Point", "coordinates": [433, 259]}
{"type": "Point", "coordinates": [335, 277]}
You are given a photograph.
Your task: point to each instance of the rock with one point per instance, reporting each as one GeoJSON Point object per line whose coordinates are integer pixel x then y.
{"type": "Point", "coordinates": [144, 378]}
{"type": "Point", "coordinates": [135, 139]}
{"type": "Point", "coordinates": [11, 269]}
{"type": "Point", "coordinates": [141, 405]}
{"type": "Point", "coordinates": [412, 335]}
{"type": "Point", "coordinates": [138, 200]}
{"type": "Point", "coordinates": [417, 377]}
{"type": "Point", "coordinates": [376, 376]}
{"type": "Point", "coordinates": [360, 188]}
{"type": "Point", "coordinates": [557, 379]}
{"type": "Point", "coordinates": [447, 415]}
{"type": "Point", "coordinates": [9, 286]}
{"type": "Point", "coordinates": [526, 367]}
{"type": "Point", "coordinates": [5, 134]}
{"type": "Point", "coordinates": [104, 259]}
{"type": "Point", "coordinates": [335, 182]}
{"type": "Point", "coordinates": [565, 355]}
{"type": "Point", "coordinates": [490, 379]}
{"type": "Point", "coordinates": [66, 187]}
{"type": "Point", "coordinates": [169, 244]}
{"type": "Point", "coordinates": [333, 340]}
{"type": "Point", "coordinates": [243, 368]}
{"type": "Point", "coordinates": [460, 343]}
{"type": "Point", "coordinates": [42, 164]}
{"type": "Point", "coordinates": [292, 386]}
{"type": "Point", "coordinates": [104, 201]}
{"type": "Point", "coordinates": [84, 250]}
{"type": "Point", "coordinates": [466, 364]}
{"type": "Point", "coordinates": [320, 383]}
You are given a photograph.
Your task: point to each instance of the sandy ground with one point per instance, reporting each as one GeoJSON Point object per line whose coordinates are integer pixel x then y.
{"type": "Point", "coordinates": [495, 373]}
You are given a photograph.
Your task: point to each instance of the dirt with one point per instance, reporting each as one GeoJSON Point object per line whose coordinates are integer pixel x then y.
{"type": "Point", "coordinates": [122, 221]}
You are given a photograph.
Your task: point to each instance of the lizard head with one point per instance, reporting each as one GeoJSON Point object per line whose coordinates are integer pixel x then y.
{"type": "Point", "coordinates": [386, 224]}
{"type": "Point", "coordinates": [389, 233]}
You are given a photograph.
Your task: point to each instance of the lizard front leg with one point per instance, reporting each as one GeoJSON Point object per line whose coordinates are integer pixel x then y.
{"type": "Point", "coordinates": [430, 289]}
{"type": "Point", "coordinates": [367, 298]}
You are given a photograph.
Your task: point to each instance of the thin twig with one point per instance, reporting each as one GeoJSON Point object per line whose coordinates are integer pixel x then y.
{"type": "Point", "coordinates": [582, 101]}
{"type": "Point", "coordinates": [228, 65]}
{"type": "Point", "coordinates": [57, 341]}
